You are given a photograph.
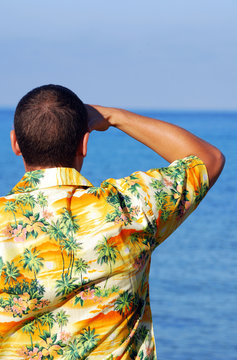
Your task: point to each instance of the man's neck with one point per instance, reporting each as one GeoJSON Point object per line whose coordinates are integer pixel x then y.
{"type": "Point", "coordinates": [29, 168]}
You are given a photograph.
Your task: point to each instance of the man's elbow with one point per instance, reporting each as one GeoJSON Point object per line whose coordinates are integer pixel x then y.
{"type": "Point", "coordinates": [216, 165]}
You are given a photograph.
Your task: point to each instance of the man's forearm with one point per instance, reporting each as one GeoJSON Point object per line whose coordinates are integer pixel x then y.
{"type": "Point", "coordinates": [168, 140]}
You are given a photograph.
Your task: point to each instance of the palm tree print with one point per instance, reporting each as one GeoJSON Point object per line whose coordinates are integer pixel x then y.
{"type": "Point", "coordinates": [96, 191]}
{"type": "Point", "coordinates": [81, 266]}
{"type": "Point", "coordinates": [27, 200]}
{"type": "Point", "coordinates": [55, 231]}
{"type": "Point", "coordinates": [80, 347]}
{"type": "Point", "coordinates": [88, 339]}
{"type": "Point", "coordinates": [63, 231]}
{"type": "Point", "coordinates": [48, 320]}
{"type": "Point", "coordinates": [33, 288]}
{"type": "Point", "coordinates": [65, 286]}
{"type": "Point", "coordinates": [62, 319]}
{"type": "Point", "coordinates": [175, 173]}
{"type": "Point", "coordinates": [69, 222]}
{"type": "Point", "coordinates": [161, 198]}
{"type": "Point", "coordinates": [134, 185]}
{"type": "Point", "coordinates": [32, 261]}
{"type": "Point", "coordinates": [29, 328]}
{"type": "Point", "coordinates": [37, 324]}
{"type": "Point", "coordinates": [32, 178]}
{"type": "Point", "coordinates": [123, 303]}
{"type": "Point", "coordinates": [73, 350]}
{"type": "Point", "coordinates": [19, 202]}
{"type": "Point", "coordinates": [11, 272]}
{"type": "Point", "coordinates": [106, 254]}
{"type": "Point", "coordinates": [42, 200]}
{"type": "Point", "coordinates": [11, 206]}
{"type": "Point", "coordinates": [71, 246]}
{"type": "Point", "coordinates": [69, 226]}
{"type": "Point", "coordinates": [134, 189]}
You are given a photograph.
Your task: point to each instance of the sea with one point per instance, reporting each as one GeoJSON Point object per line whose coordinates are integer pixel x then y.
{"type": "Point", "coordinates": [193, 279]}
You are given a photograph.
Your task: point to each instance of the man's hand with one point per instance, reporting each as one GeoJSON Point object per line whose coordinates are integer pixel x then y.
{"type": "Point", "coordinates": [98, 117]}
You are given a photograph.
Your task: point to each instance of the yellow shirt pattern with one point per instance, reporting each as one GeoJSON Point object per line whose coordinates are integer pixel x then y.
{"type": "Point", "coordinates": [75, 260]}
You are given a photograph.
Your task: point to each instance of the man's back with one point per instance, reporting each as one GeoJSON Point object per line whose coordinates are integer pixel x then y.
{"type": "Point", "coordinates": [75, 259]}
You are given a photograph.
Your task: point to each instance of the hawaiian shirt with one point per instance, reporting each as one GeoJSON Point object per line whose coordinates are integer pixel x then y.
{"type": "Point", "coordinates": [75, 260]}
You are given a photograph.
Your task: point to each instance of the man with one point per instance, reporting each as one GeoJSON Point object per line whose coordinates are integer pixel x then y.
{"type": "Point", "coordinates": [75, 258]}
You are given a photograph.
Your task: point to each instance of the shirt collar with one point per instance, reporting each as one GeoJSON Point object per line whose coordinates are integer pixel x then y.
{"type": "Point", "coordinates": [45, 178]}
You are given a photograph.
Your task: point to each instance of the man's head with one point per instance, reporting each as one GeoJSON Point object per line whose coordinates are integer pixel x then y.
{"type": "Point", "coordinates": [50, 124]}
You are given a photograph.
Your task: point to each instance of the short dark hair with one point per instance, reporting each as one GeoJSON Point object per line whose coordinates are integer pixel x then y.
{"type": "Point", "coordinates": [50, 121]}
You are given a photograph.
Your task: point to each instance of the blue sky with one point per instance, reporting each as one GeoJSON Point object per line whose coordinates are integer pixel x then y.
{"type": "Point", "coordinates": [171, 54]}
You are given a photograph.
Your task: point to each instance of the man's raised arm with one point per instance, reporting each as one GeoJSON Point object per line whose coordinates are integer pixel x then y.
{"type": "Point", "coordinates": [169, 141]}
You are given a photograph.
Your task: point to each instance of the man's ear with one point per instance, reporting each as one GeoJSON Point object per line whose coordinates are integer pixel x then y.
{"type": "Point", "coordinates": [14, 143]}
{"type": "Point", "coordinates": [82, 148]}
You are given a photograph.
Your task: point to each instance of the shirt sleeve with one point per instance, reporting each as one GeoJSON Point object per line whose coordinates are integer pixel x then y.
{"type": "Point", "coordinates": [166, 196]}
{"type": "Point", "coordinates": [175, 192]}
